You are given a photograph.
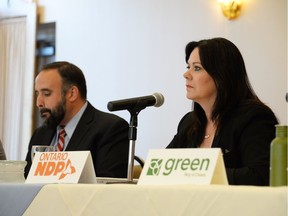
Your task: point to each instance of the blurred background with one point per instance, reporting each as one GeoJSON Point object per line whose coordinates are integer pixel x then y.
{"type": "Point", "coordinates": [129, 48]}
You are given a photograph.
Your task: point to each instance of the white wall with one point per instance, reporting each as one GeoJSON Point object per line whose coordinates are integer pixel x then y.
{"type": "Point", "coordinates": [129, 48]}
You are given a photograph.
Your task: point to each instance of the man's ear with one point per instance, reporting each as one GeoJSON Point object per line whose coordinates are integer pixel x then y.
{"type": "Point", "coordinates": [73, 93]}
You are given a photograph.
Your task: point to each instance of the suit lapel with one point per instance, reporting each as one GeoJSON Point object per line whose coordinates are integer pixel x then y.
{"type": "Point", "coordinates": [44, 136]}
{"type": "Point", "coordinates": [49, 136]}
{"type": "Point", "coordinates": [81, 129]}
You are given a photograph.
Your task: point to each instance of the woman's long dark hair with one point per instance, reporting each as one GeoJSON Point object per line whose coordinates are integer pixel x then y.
{"type": "Point", "coordinates": [224, 63]}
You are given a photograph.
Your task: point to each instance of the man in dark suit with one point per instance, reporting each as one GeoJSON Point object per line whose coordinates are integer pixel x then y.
{"type": "Point", "coordinates": [2, 152]}
{"type": "Point", "coordinates": [60, 89]}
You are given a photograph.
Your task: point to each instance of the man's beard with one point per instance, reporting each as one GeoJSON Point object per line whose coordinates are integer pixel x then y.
{"type": "Point", "coordinates": [56, 115]}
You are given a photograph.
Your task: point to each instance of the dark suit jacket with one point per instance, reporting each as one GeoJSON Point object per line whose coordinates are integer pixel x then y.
{"type": "Point", "coordinates": [2, 152]}
{"type": "Point", "coordinates": [104, 134]}
{"type": "Point", "coordinates": [245, 142]}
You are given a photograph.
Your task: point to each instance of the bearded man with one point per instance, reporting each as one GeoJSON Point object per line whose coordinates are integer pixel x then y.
{"type": "Point", "coordinates": [61, 93]}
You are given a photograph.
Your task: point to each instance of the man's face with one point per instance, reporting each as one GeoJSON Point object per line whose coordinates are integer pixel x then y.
{"type": "Point", "coordinates": [48, 89]}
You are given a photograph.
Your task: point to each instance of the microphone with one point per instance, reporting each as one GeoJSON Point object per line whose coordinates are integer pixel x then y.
{"type": "Point", "coordinates": [156, 100]}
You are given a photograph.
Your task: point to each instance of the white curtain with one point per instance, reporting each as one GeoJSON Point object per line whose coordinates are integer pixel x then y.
{"type": "Point", "coordinates": [12, 77]}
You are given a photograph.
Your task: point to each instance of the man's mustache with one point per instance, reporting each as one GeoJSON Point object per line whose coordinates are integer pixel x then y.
{"type": "Point", "coordinates": [44, 110]}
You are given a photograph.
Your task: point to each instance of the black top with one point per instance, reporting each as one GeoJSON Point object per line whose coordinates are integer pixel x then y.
{"type": "Point", "coordinates": [104, 134]}
{"type": "Point", "coordinates": [245, 142]}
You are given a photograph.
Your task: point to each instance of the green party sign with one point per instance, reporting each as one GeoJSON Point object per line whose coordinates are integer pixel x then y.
{"type": "Point", "coordinates": [184, 166]}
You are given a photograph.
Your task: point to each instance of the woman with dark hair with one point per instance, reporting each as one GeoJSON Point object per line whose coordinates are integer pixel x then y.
{"type": "Point", "coordinates": [226, 114]}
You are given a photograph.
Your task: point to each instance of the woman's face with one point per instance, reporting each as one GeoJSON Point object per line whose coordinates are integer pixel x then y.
{"type": "Point", "coordinates": [200, 86]}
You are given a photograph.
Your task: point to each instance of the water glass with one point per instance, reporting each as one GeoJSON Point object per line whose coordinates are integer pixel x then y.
{"type": "Point", "coordinates": [40, 148]}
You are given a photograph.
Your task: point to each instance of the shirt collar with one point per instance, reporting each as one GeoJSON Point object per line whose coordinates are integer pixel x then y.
{"type": "Point", "coordinates": [71, 125]}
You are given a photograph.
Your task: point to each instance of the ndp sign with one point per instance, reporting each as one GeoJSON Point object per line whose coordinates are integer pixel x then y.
{"type": "Point", "coordinates": [62, 167]}
{"type": "Point", "coordinates": [56, 164]}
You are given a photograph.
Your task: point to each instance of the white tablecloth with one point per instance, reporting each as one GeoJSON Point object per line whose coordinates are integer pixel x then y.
{"type": "Point", "coordinates": [138, 200]}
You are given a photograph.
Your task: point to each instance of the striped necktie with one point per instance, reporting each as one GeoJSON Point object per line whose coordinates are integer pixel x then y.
{"type": "Point", "coordinates": [61, 139]}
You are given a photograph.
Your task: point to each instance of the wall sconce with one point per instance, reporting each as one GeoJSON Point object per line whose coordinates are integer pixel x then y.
{"type": "Point", "coordinates": [231, 8]}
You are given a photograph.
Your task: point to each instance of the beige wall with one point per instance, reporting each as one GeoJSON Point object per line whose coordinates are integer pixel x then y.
{"type": "Point", "coordinates": [130, 48]}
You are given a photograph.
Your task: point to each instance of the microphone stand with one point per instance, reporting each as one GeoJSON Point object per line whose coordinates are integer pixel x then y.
{"type": "Point", "coordinates": [134, 106]}
{"type": "Point", "coordinates": [132, 135]}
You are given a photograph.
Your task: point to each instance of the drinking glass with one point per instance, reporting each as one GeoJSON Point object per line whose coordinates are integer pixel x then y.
{"type": "Point", "coordinates": [40, 148]}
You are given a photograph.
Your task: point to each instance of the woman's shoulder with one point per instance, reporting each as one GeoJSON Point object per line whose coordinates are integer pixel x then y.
{"type": "Point", "coordinates": [253, 110]}
{"type": "Point", "coordinates": [186, 118]}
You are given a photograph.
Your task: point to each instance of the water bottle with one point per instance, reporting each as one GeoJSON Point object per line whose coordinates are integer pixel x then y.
{"type": "Point", "coordinates": [278, 157]}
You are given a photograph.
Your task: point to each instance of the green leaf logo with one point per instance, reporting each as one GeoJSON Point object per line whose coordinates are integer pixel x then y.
{"type": "Point", "coordinates": [154, 167]}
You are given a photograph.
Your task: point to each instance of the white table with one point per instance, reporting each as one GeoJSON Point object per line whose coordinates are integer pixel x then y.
{"type": "Point", "coordinates": [125, 199]}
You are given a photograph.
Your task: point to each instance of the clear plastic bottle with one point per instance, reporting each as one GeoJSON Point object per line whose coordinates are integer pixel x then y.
{"type": "Point", "coordinates": [278, 157]}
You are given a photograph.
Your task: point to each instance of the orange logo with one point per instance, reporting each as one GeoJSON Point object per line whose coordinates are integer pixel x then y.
{"type": "Point", "coordinates": [69, 169]}
{"type": "Point", "coordinates": [54, 165]}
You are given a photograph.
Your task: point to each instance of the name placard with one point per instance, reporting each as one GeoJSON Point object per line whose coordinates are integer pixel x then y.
{"type": "Point", "coordinates": [184, 166]}
{"type": "Point", "coordinates": [62, 167]}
